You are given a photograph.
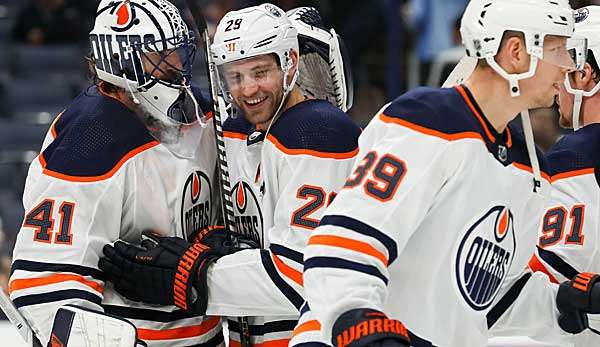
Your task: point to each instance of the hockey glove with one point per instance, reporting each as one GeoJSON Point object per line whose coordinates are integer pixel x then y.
{"type": "Point", "coordinates": [366, 327]}
{"type": "Point", "coordinates": [164, 271]}
{"type": "Point", "coordinates": [575, 299]}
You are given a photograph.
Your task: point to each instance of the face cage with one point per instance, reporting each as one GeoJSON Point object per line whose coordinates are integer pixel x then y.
{"type": "Point", "coordinates": [185, 51]}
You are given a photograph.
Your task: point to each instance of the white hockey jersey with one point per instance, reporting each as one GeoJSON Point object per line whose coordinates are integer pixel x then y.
{"type": "Point", "coordinates": [101, 177]}
{"type": "Point", "coordinates": [435, 228]}
{"type": "Point", "coordinates": [569, 234]}
{"type": "Point", "coordinates": [281, 185]}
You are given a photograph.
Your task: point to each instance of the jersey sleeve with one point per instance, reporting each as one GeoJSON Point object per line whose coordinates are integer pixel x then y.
{"type": "Point", "coordinates": [383, 201]}
{"type": "Point", "coordinates": [59, 244]}
{"type": "Point", "coordinates": [526, 308]}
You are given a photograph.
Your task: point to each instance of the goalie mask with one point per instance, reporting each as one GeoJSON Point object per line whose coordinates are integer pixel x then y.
{"type": "Point", "coordinates": [146, 48]}
{"type": "Point", "coordinates": [324, 65]}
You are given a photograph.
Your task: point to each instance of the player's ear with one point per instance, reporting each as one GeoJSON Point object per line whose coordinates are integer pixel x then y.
{"type": "Point", "coordinates": [293, 63]}
{"type": "Point", "coordinates": [584, 79]}
{"type": "Point", "coordinates": [515, 56]}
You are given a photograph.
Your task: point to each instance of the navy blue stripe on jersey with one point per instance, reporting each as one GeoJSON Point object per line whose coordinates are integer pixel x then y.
{"type": "Point", "coordinates": [518, 152]}
{"type": "Point", "coordinates": [34, 266]}
{"type": "Point", "coordinates": [316, 125]}
{"type": "Point", "coordinates": [58, 295]}
{"type": "Point", "coordinates": [281, 284]}
{"type": "Point", "coordinates": [337, 263]}
{"type": "Point", "coordinates": [364, 229]}
{"type": "Point", "coordinates": [239, 125]}
{"type": "Point", "coordinates": [507, 300]}
{"type": "Point", "coordinates": [287, 253]}
{"type": "Point", "coordinates": [576, 151]}
{"type": "Point", "coordinates": [305, 308]}
{"type": "Point", "coordinates": [214, 341]}
{"type": "Point", "coordinates": [557, 263]}
{"type": "Point", "coordinates": [439, 109]}
{"type": "Point", "coordinates": [266, 328]}
{"type": "Point", "coordinates": [203, 97]}
{"type": "Point", "coordinates": [95, 133]}
{"type": "Point", "coordinates": [147, 314]}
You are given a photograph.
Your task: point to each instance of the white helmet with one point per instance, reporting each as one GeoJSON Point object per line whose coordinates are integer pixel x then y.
{"type": "Point", "coordinates": [133, 41]}
{"type": "Point", "coordinates": [485, 22]}
{"type": "Point", "coordinates": [255, 31]}
{"type": "Point", "coordinates": [324, 65]}
{"type": "Point", "coordinates": [587, 26]}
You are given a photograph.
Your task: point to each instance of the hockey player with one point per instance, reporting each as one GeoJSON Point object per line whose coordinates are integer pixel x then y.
{"type": "Point", "coordinates": [290, 155]}
{"type": "Point", "coordinates": [439, 218]}
{"type": "Point", "coordinates": [569, 233]}
{"type": "Point", "coordinates": [133, 152]}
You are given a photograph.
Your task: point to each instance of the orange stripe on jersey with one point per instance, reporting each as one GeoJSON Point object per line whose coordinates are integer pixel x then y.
{"type": "Point", "coordinates": [431, 132]}
{"type": "Point", "coordinates": [574, 173]}
{"type": "Point", "coordinates": [52, 279]}
{"type": "Point", "coordinates": [536, 266]}
{"type": "Point", "coordinates": [530, 170]}
{"type": "Point", "coordinates": [232, 135]}
{"type": "Point", "coordinates": [487, 131]}
{"type": "Point", "coordinates": [272, 343]}
{"type": "Point", "coordinates": [287, 270]}
{"type": "Point", "coordinates": [107, 175]}
{"type": "Point", "coordinates": [346, 243]}
{"type": "Point", "coordinates": [179, 333]}
{"type": "Point", "coordinates": [311, 325]}
{"type": "Point", "coordinates": [298, 151]}
{"type": "Point", "coordinates": [208, 115]}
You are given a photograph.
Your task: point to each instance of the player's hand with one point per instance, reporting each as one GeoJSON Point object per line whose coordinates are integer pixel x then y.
{"type": "Point", "coordinates": [575, 299]}
{"type": "Point", "coordinates": [164, 270]}
{"type": "Point", "coordinates": [364, 327]}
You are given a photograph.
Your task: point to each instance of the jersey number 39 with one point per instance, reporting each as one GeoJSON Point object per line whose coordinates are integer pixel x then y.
{"type": "Point", "coordinates": [379, 176]}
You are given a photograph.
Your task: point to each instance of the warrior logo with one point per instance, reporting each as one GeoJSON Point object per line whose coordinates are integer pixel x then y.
{"type": "Point", "coordinates": [484, 257]}
{"type": "Point", "coordinates": [196, 208]}
{"type": "Point", "coordinates": [248, 215]}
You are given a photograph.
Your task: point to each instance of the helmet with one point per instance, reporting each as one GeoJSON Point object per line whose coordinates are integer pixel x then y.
{"type": "Point", "coordinates": [485, 22]}
{"type": "Point", "coordinates": [587, 26]}
{"type": "Point", "coordinates": [324, 64]}
{"type": "Point", "coordinates": [145, 47]}
{"type": "Point", "coordinates": [255, 31]}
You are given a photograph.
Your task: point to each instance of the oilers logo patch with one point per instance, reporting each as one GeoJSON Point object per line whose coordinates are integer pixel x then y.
{"type": "Point", "coordinates": [124, 14]}
{"type": "Point", "coordinates": [248, 215]}
{"type": "Point", "coordinates": [484, 257]}
{"type": "Point", "coordinates": [196, 209]}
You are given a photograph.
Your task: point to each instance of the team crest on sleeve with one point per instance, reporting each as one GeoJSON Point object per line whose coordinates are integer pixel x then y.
{"type": "Point", "coordinates": [248, 215]}
{"type": "Point", "coordinates": [484, 257]}
{"type": "Point", "coordinates": [196, 209]}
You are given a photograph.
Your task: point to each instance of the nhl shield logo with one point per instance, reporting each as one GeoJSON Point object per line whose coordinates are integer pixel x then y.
{"type": "Point", "coordinates": [484, 257]}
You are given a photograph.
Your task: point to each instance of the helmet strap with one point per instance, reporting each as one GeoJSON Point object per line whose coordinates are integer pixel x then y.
{"type": "Point", "coordinates": [577, 109]}
{"type": "Point", "coordinates": [287, 88]}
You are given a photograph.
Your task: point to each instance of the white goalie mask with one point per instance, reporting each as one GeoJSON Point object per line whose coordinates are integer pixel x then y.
{"type": "Point", "coordinates": [324, 65]}
{"type": "Point", "coordinates": [146, 48]}
{"type": "Point", "coordinates": [587, 26]}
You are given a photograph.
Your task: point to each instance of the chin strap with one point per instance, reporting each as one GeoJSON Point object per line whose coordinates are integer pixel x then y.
{"type": "Point", "coordinates": [529, 141]}
{"type": "Point", "coordinates": [577, 109]}
{"type": "Point", "coordinates": [287, 88]}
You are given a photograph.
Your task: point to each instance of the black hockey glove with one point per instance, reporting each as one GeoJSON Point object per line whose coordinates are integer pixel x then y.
{"type": "Point", "coordinates": [165, 270]}
{"type": "Point", "coordinates": [577, 298]}
{"type": "Point", "coordinates": [364, 327]}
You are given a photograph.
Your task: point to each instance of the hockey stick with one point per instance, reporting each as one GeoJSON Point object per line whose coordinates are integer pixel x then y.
{"type": "Point", "coordinates": [461, 71]}
{"type": "Point", "coordinates": [17, 319]}
{"type": "Point", "coordinates": [222, 167]}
